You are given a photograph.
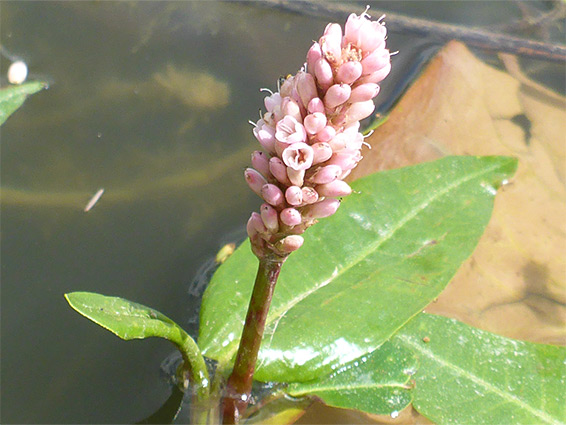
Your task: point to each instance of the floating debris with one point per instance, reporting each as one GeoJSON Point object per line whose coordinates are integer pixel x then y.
{"type": "Point", "coordinates": [93, 200]}
{"type": "Point", "coordinates": [17, 72]}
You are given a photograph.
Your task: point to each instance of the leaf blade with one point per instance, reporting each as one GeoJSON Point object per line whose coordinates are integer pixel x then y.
{"type": "Point", "coordinates": [467, 375]}
{"type": "Point", "coordinates": [12, 97]}
{"type": "Point", "coordinates": [354, 259]}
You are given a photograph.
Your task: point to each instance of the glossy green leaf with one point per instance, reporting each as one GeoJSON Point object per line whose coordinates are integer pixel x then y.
{"type": "Point", "coordinates": [12, 97]}
{"type": "Point", "coordinates": [124, 318]}
{"type": "Point", "coordinates": [378, 383]}
{"type": "Point", "coordinates": [470, 376]}
{"type": "Point", "coordinates": [391, 249]}
{"type": "Point", "coordinates": [129, 320]}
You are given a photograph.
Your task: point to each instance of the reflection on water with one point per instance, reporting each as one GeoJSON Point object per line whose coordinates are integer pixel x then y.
{"type": "Point", "coordinates": [149, 101]}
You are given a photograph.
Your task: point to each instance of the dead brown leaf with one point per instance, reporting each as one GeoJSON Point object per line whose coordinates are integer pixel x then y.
{"type": "Point", "coordinates": [515, 282]}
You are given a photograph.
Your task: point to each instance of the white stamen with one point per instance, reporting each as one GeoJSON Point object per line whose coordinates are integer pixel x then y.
{"type": "Point", "coordinates": [267, 90]}
{"type": "Point", "coordinates": [252, 123]}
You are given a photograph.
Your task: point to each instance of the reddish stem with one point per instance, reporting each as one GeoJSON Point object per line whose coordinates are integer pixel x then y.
{"type": "Point", "coordinates": [239, 385]}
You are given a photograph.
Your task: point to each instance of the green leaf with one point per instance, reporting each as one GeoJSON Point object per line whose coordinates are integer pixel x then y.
{"type": "Point", "coordinates": [12, 97]}
{"type": "Point", "coordinates": [377, 383]}
{"type": "Point", "coordinates": [124, 318]}
{"type": "Point", "coordinates": [363, 273]}
{"type": "Point", "coordinates": [129, 320]}
{"type": "Point", "coordinates": [470, 376]}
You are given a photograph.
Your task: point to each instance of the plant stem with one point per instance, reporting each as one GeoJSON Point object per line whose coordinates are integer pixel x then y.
{"type": "Point", "coordinates": [239, 385]}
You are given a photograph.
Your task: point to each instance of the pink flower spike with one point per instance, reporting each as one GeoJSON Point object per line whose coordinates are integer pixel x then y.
{"type": "Point", "coordinates": [298, 156]}
{"type": "Point", "coordinates": [363, 33]}
{"type": "Point", "coordinates": [315, 105]}
{"type": "Point", "coordinates": [294, 195]}
{"type": "Point", "coordinates": [290, 216]}
{"type": "Point", "coordinates": [306, 87]}
{"type": "Point", "coordinates": [261, 163]}
{"type": "Point", "coordinates": [331, 42]}
{"type": "Point", "coordinates": [326, 174]}
{"type": "Point", "coordinates": [337, 95]}
{"type": "Point", "coordinates": [289, 130]}
{"type": "Point", "coordinates": [269, 217]}
{"type": "Point", "coordinates": [375, 61]}
{"type": "Point", "coordinates": [326, 134]}
{"type": "Point", "coordinates": [313, 55]}
{"type": "Point", "coordinates": [314, 122]}
{"type": "Point", "coordinates": [279, 170]}
{"type": "Point", "coordinates": [289, 244]}
{"type": "Point", "coordinates": [349, 72]}
{"type": "Point", "coordinates": [321, 209]}
{"type": "Point", "coordinates": [310, 196]}
{"type": "Point", "coordinates": [255, 180]}
{"type": "Point", "coordinates": [364, 92]}
{"type": "Point", "coordinates": [323, 73]}
{"type": "Point", "coordinates": [297, 177]}
{"type": "Point", "coordinates": [272, 194]}
{"type": "Point", "coordinates": [335, 188]}
{"type": "Point", "coordinates": [358, 111]}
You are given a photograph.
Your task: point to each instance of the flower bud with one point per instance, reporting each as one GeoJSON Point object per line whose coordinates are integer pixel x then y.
{"type": "Point", "coordinates": [326, 174]}
{"type": "Point", "coordinates": [290, 216]}
{"type": "Point", "coordinates": [313, 55]}
{"type": "Point", "coordinates": [294, 195]}
{"type": "Point", "coordinates": [310, 196]}
{"type": "Point", "coordinates": [321, 152]}
{"type": "Point", "coordinates": [272, 194]}
{"type": "Point", "coordinates": [269, 218]}
{"type": "Point", "coordinates": [306, 87]}
{"type": "Point", "coordinates": [315, 105]}
{"type": "Point", "coordinates": [291, 108]}
{"type": "Point", "coordinates": [298, 156]}
{"type": "Point", "coordinates": [331, 42]}
{"type": "Point", "coordinates": [261, 163]}
{"type": "Point", "coordinates": [335, 188]}
{"type": "Point", "coordinates": [326, 134]}
{"type": "Point", "coordinates": [255, 180]}
{"type": "Point", "coordinates": [279, 170]}
{"type": "Point", "coordinates": [296, 176]}
{"type": "Point", "coordinates": [346, 160]}
{"type": "Point", "coordinates": [337, 95]}
{"type": "Point", "coordinates": [289, 244]}
{"type": "Point", "coordinates": [364, 92]}
{"type": "Point", "coordinates": [359, 110]}
{"type": "Point", "coordinates": [255, 225]}
{"type": "Point", "coordinates": [376, 76]}
{"type": "Point", "coordinates": [323, 73]}
{"type": "Point", "coordinates": [315, 122]}
{"type": "Point", "coordinates": [349, 72]}
{"type": "Point", "coordinates": [321, 209]}
{"type": "Point", "coordinates": [375, 61]}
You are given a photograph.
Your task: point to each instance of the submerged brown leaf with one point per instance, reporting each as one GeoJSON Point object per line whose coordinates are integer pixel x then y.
{"type": "Point", "coordinates": [514, 284]}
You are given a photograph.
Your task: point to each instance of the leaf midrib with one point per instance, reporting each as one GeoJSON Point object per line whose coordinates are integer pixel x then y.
{"type": "Point", "coordinates": [478, 380]}
{"type": "Point", "coordinates": [371, 248]}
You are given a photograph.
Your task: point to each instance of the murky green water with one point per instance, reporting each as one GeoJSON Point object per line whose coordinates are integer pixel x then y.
{"type": "Point", "coordinates": [149, 101]}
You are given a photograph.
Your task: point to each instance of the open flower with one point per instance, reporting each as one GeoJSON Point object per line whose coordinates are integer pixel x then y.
{"type": "Point", "coordinates": [289, 130]}
{"type": "Point", "coordinates": [298, 156]}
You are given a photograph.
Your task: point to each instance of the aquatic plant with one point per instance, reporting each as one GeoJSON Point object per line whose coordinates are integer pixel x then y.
{"type": "Point", "coordinates": [345, 325]}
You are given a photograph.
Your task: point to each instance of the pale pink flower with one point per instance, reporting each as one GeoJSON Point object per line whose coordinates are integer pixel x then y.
{"type": "Point", "coordinates": [289, 130]}
{"type": "Point", "coordinates": [298, 156]}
